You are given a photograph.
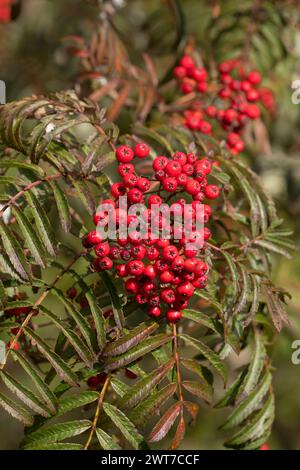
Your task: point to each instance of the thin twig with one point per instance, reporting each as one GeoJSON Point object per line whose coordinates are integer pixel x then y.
{"type": "Point", "coordinates": [97, 413]}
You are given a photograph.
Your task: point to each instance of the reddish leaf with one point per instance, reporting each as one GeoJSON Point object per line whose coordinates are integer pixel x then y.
{"type": "Point", "coordinates": [165, 423]}
{"type": "Point", "coordinates": [180, 432]}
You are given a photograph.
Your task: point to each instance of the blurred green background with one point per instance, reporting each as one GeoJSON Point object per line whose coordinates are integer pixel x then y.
{"type": "Point", "coordinates": [34, 60]}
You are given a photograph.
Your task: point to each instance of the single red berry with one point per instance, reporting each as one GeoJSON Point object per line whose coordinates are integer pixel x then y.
{"type": "Point", "coordinates": [254, 77]}
{"type": "Point", "coordinates": [124, 154]}
{"type": "Point", "coordinates": [180, 157]}
{"type": "Point", "coordinates": [152, 253]}
{"type": "Point", "coordinates": [125, 169]}
{"type": "Point", "coordinates": [205, 127]}
{"type": "Point", "coordinates": [141, 150]}
{"type": "Point", "coordinates": [185, 289]}
{"type": "Point", "coordinates": [192, 158]}
{"type": "Point", "coordinates": [200, 282]}
{"type": "Point", "coordinates": [93, 238]}
{"type": "Point", "coordinates": [130, 375]}
{"type": "Point", "coordinates": [169, 252]}
{"type": "Point", "coordinates": [101, 250]}
{"type": "Point", "coordinates": [199, 74]}
{"type": "Point", "coordinates": [265, 446]}
{"type": "Point", "coordinates": [252, 95]}
{"type": "Point", "coordinates": [230, 115]}
{"type": "Point", "coordinates": [96, 380]}
{"type": "Point", "coordinates": [135, 195]}
{"type": "Point", "coordinates": [159, 163]}
{"type": "Point", "coordinates": [201, 268]}
{"type": "Point", "coordinates": [166, 277]}
{"type": "Point", "coordinates": [154, 199]}
{"type": "Point", "coordinates": [138, 252]}
{"type": "Point", "coordinates": [131, 285]}
{"type": "Point", "coordinates": [190, 265]}
{"type": "Point", "coordinates": [136, 267]}
{"type": "Point", "coordinates": [173, 316]}
{"type": "Point", "coordinates": [187, 62]}
{"type": "Point", "coordinates": [211, 111]}
{"type": "Point", "coordinates": [202, 87]}
{"type": "Point", "coordinates": [170, 184]}
{"type": "Point", "coordinates": [121, 270]}
{"type": "Point", "coordinates": [141, 298]}
{"type": "Point", "coordinates": [192, 187]}
{"type": "Point", "coordinates": [118, 189]}
{"type": "Point", "coordinates": [178, 263]}
{"type": "Point", "coordinates": [72, 292]}
{"type": "Point", "coordinates": [211, 191]}
{"type": "Point", "coordinates": [168, 296]}
{"type": "Point", "coordinates": [188, 169]}
{"type": "Point", "coordinates": [252, 111]}
{"type": "Point", "coordinates": [154, 311]}
{"type": "Point", "coordinates": [143, 184]}
{"type": "Point", "coordinates": [173, 168]}
{"type": "Point", "coordinates": [130, 180]}
{"type": "Point", "coordinates": [154, 300]}
{"type": "Point", "coordinates": [187, 86]}
{"type": "Point", "coordinates": [179, 72]}
{"type": "Point", "coordinates": [206, 233]}
{"type": "Point", "coordinates": [102, 264]}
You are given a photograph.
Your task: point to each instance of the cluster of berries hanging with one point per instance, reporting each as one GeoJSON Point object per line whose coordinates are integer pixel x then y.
{"type": "Point", "coordinates": [161, 273]}
{"type": "Point", "coordinates": [225, 103]}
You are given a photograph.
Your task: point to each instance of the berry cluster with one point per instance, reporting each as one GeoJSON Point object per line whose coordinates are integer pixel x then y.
{"type": "Point", "coordinates": [159, 272]}
{"type": "Point", "coordinates": [226, 103]}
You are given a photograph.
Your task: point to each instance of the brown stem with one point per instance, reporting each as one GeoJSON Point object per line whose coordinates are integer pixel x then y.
{"type": "Point", "coordinates": [97, 413]}
{"type": "Point", "coordinates": [37, 303]}
{"type": "Point", "coordinates": [176, 357]}
{"type": "Point", "coordinates": [14, 198]}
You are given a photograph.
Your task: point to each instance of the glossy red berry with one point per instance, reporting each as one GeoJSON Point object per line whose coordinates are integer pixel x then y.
{"type": "Point", "coordinates": [185, 289]}
{"type": "Point", "coordinates": [124, 154]}
{"type": "Point", "coordinates": [141, 150]}
{"type": "Point", "coordinates": [211, 191]}
{"type": "Point", "coordinates": [93, 238]}
{"type": "Point", "coordinates": [72, 293]}
{"type": "Point", "coordinates": [170, 184]}
{"type": "Point", "coordinates": [173, 316]}
{"type": "Point", "coordinates": [154, 311]}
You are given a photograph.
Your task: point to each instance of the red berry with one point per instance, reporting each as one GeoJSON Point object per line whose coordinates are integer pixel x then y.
{"type": "Point", "coordinates": [187, 62]}
{"type": "Point", "coordinates": [131, 285]}
{"type": "Point", "coordinates": [185, 289]}
{"type": "Point", "coordinates": [141, 150]}
{"type": "Point", "coordinates": [173, 168]}
{"type": "Point", "coordinates": [173, 316]}
{"type": "Point", "coordinates": [125, 168]}
{"type": "Point", "coordinates": [143, 184]}
{"type": "Point", "coordinates": [135, 196]}
{"type": "Point", "coordinates": [93, 238]}
{"type": "Point", "coordinates": [118, 189]}
{"type": "Point", "coordinates": [179, 72]}
{"type": "Point", "coordinates": [192, 187]}
{"type": "Point", "coordinates": [252, 111]}
{"type": "Point", "coordinates": [254, 77]}
{"type": "Point", "coordinates": [136, 267]}
{"type": "Point", "coordinates": [170, 252]}
{"type": "Point", "coordinates": [166, 277]}
{"type": "Point", "coordinates": [154, 312]}
{"type": "Point", "coordinates": [211, 191]}
{"type": "Point", "coordinates": [124, 154]}
{"type": "Point", "coordinates": [159, 163]}
{"type": "Point", "coordinates": [72, 292]}
{"type": "Point", "coordinates": [130, 180]}
{"type": "Point", "coordinates": [168, 296]}
{"type": "Point", "coordinates": [180, 157]}
{"type": "Point", "coordinates": [150, 272]}
{"type": "Point", "coordinates": [170, 184]}
{"type": "Point", "coordinates": [252, 95]}
{"type": "Point", "coordinates": [121, 270]}
{"type": "Point", "coordinates": [265, 446]}
{"type": "Point", "coordinates": [154, 199]}
{"type": "Point", "coordinates": [138, 252]}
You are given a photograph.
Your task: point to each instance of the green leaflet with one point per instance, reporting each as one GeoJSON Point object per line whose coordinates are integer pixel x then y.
{"type": "Point", "coordinates": [140, 350]}
{"type": "Point", "coordinates": [125, 426]}
{"type": "Point", "coordinates": [142, 389]}
{"type": "Point", "coordinates": [82, 323]}
{"type": "Point", "coordinates": [63, 370]}
{"type": "Point", "coordinates": [16, 411]}
{"type": "Point", "coordinates": [13, 251]}
{"type": "Point", "coordinates": [200, 318]}
{"type": "Point", "coordinates": [71, 402]}
{"type": "Point", "coordinates": [116, 303]}
{"type": "Point", "coordinates": [57, 432]}
{"type": "Point", "coordinates": [141, 413]}
{"type": "Point", "coordinates": [43, 226]}
{"type": "Point", "coordinates": [31, 238]}
{"type": "Point", "coordinates": [250, 404]}
{"type": "Point", "coordinates": [126, 342]}
{"type": "Point", "coordinates": [25, 395]}
{"type": "Point", "coordinates": [44, 391]}
{"type": "Point", "coordinates": [55, 446]}
{"type": "Point", "coordinates": [62, 205]}
{"type": "Point", "coordinates": [80, 347]}
{"type": "Point", "coordinates": [105, 441]}
{"type": "Point", "coordinates": [210, 355]}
